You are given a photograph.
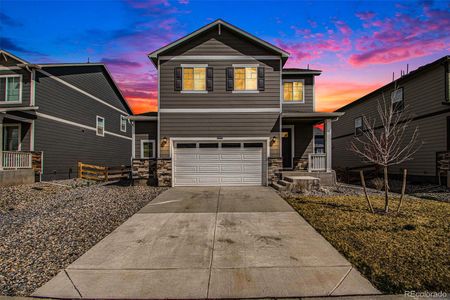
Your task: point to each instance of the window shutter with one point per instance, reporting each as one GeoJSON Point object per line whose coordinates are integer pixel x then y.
{"type": "Point", "coordinates": [230, 79]}
{"type": "Point", "coordinates": [209, 79]}
{"type": "Point", "coordinates": [261, 79]}
{"type": "Point", "coordinates": [178, 79]}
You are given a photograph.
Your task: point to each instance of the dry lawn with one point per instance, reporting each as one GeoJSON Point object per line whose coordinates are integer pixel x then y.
{"type": "Point", "coordinates": [397, 253]}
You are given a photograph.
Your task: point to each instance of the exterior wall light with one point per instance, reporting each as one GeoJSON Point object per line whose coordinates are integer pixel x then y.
{"type": "Point", "coordinates": [273, 140]}
{"type": "Point", "coordinates": [164, 141]}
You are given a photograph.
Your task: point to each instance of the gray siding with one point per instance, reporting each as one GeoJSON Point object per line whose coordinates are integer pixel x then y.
{"type": "Point", "coordinates": [144, 130]}
{"type": "Point", "coordinates": [92, 79]}
{"type": "Point", "coordinates": [217, 125]}
{"type": "Point", "coordinates": [303, 138]}
{"type": "Point", "coordinates": [64, 146]}
{"type": "Point", "coordinates": [211, 42]}
{"type": "Point", "coordinates": [58, 100]}
{"type": "Point", "coordinates": [424, 95]}
{"type": "Point", "coordinates": [308, 105]}
{"type": "Point", "coordinates": [219, 97]}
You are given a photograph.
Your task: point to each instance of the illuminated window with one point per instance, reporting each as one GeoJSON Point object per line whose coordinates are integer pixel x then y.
{"type": "Point", "coordinates": [245, 79]}
{"type": "Point", "coordinates": [293, 91]}
{"type": "Point", "coordinates": [194, 79]}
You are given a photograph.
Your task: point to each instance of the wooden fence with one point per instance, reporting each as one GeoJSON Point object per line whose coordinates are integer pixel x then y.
{"type": "Point", "coordinates": [103, 173]}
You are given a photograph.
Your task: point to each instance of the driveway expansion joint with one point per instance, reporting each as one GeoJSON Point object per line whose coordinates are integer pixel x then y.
{"type": "Point", "coordinates": [74, 286]}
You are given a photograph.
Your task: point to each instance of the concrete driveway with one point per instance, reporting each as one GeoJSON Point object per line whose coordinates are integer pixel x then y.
{"type": "Point", "coordinates": [210, 242]}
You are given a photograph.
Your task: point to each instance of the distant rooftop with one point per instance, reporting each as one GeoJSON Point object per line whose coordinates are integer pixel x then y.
{"type": "Point", "coordinates": [301, 71]}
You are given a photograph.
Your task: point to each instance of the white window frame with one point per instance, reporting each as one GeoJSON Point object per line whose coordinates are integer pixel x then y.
{"type": "Point", "coordinates": [123, 119]}
{"type": "Point", "coordinates": [142, 149]}
{"type": "Point", "coordinates": [234, 78]}
{"type": "Point", "coordinates": [303, 94]}
{"type": "Point", "coordinates": [394, 93]}
{"type": "Point", "coordinates": [6, 88]}
{"type": "Point", "coordinates": [97, 127]}
{"type": "Point", "coordinates": [19, 144]}
{"type": "Point", "coordinates": [205, 66]}
{"type": "Point", "coordinates": [355, 129]}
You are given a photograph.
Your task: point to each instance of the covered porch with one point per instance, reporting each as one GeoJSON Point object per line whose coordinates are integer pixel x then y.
{"type": "Point", "coordinates": [19, 163]}
{"type": "Point", "coordinates": [306, 145]}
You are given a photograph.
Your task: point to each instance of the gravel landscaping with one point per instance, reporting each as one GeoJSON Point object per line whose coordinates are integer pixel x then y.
{"type": "Point", "coordinates": [46, 226]}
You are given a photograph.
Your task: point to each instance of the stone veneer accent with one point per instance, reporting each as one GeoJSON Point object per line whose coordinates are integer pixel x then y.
{"type": "Point", "coordinates": [144, 170]}
{"type": "Point", "coordinates": [164, 172]}
{"type": "Point", "coordinates": [274, 170]}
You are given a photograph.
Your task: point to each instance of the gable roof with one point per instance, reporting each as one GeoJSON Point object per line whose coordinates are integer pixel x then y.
{"type": "Point", "coordinates": [154, 55]}
{"type": "Point", "coordinates": [4, 52]}
{"type": "Point", "coordinates": [25, 64]}
{"type": "Point", "coordinates": [107, 72]}
{"type": "Point", "coordinates": [418, 71]}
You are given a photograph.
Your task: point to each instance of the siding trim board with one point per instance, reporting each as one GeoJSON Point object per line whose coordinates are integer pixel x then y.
{"type": "Point", "coordinates": [83, 92]}
{"type": "Point", "coordinates": [219, 110]}
{"type": "Point", "coordinates": [79, 125]}
{"type": "Point", "coordinates": [436, 113]}
{"type": "Point", "coordinates": [219, 57]}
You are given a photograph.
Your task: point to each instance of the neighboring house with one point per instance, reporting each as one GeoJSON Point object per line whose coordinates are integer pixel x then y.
{"type": "Point", "coordinates": [230, 114]}
{"type": "Point", "coordinates": [53, 116]}
{"type": "Point", "coordinates": [424, 95]}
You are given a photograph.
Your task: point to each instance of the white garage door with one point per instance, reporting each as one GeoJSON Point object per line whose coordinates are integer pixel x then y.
{"type": "Point", "coordinates": [217, 164]}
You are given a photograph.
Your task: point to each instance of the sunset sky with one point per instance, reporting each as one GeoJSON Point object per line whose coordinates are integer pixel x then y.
{"type": "Point", "coordinates": [357, 44]}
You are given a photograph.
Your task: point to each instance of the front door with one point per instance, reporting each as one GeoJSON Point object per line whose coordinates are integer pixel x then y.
{"type": "Point", "coordinates": [287, 147]}
{"type": "Point", "coordinates": [11, 137]}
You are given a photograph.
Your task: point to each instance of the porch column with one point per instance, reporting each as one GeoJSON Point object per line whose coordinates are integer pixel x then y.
{"type": "Point", "coordinates": [327, 131]}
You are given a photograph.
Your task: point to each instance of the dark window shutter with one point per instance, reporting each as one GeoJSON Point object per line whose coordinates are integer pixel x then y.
{"type": "Point", "coordinates": [209, 79]}
{"type": "Point", "coordinates": [230, 79]}
{"type": "Point", "coordinates": [261, 79]}
{"type": "Point", "coordinates": [178, 78]}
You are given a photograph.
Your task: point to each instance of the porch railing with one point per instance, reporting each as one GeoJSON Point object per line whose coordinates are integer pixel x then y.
{"type": "Point", "coordinates": [12, 160]}
{"type": "Point", "coordinates": [317, 162]}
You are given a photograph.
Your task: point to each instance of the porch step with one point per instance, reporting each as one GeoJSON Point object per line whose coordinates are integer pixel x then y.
{"type": "Point", "coordinates": [284, 183]}
{"type": "Point", "coordinates": [278, 186]}
{"type": "Point", "coordinates": [302, 183]}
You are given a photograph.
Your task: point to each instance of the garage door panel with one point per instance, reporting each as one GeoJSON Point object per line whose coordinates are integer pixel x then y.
{"type": "Point", "coordinates": [231, 156]}
{"type": "Point", "coordinates": [209, 168]}
{"type": "Point", "coordinates": [217, 166]}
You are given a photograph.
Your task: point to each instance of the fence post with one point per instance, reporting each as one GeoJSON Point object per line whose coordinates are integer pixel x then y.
{"type": "Point", "coordinates": [80, 170]}
{"type": "Point", "coordinates": [106, 174]}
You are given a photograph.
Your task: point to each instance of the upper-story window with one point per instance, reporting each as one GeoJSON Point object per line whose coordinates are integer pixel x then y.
{"type": "Point", "coordinates": [397, 100]}
{"type": "Point", "coordinates": [358, 125]}
{"type": "Point", "coordinates": [11, 88]}
{"type": "Point", "coordinates": [100, 126]}
{"type": "Point", "coordinates": [293, 91]}
{"type": "Point", "coordinates": [245, 79]}
{"type": "Point", "coordinates": [194, 78]}
{"type": "Point", "coordinates": [123, 123]}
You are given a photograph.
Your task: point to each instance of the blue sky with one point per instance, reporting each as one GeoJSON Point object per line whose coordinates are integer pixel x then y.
{"type": "Point", "coordinates": [357, 44]}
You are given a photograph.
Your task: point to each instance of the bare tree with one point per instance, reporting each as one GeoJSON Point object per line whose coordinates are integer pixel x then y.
{"type": "Point", "coordinates": [385, 141]}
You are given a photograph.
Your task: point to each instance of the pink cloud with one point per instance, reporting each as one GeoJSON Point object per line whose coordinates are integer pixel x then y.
{"type": "Point", "coordinates": [385, 55]}
{"type": "Point", "coordinates": [403, 37]}
{"type": "Point", "coordinates": [343, 27]}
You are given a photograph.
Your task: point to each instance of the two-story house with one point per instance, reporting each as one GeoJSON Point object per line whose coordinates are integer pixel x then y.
{"type": "Point", "coordinates": [53, 116]}
{"type": "Point", "coordinates": [230, 114]}
{"type": "Point", "coordinates": [423, 96]}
